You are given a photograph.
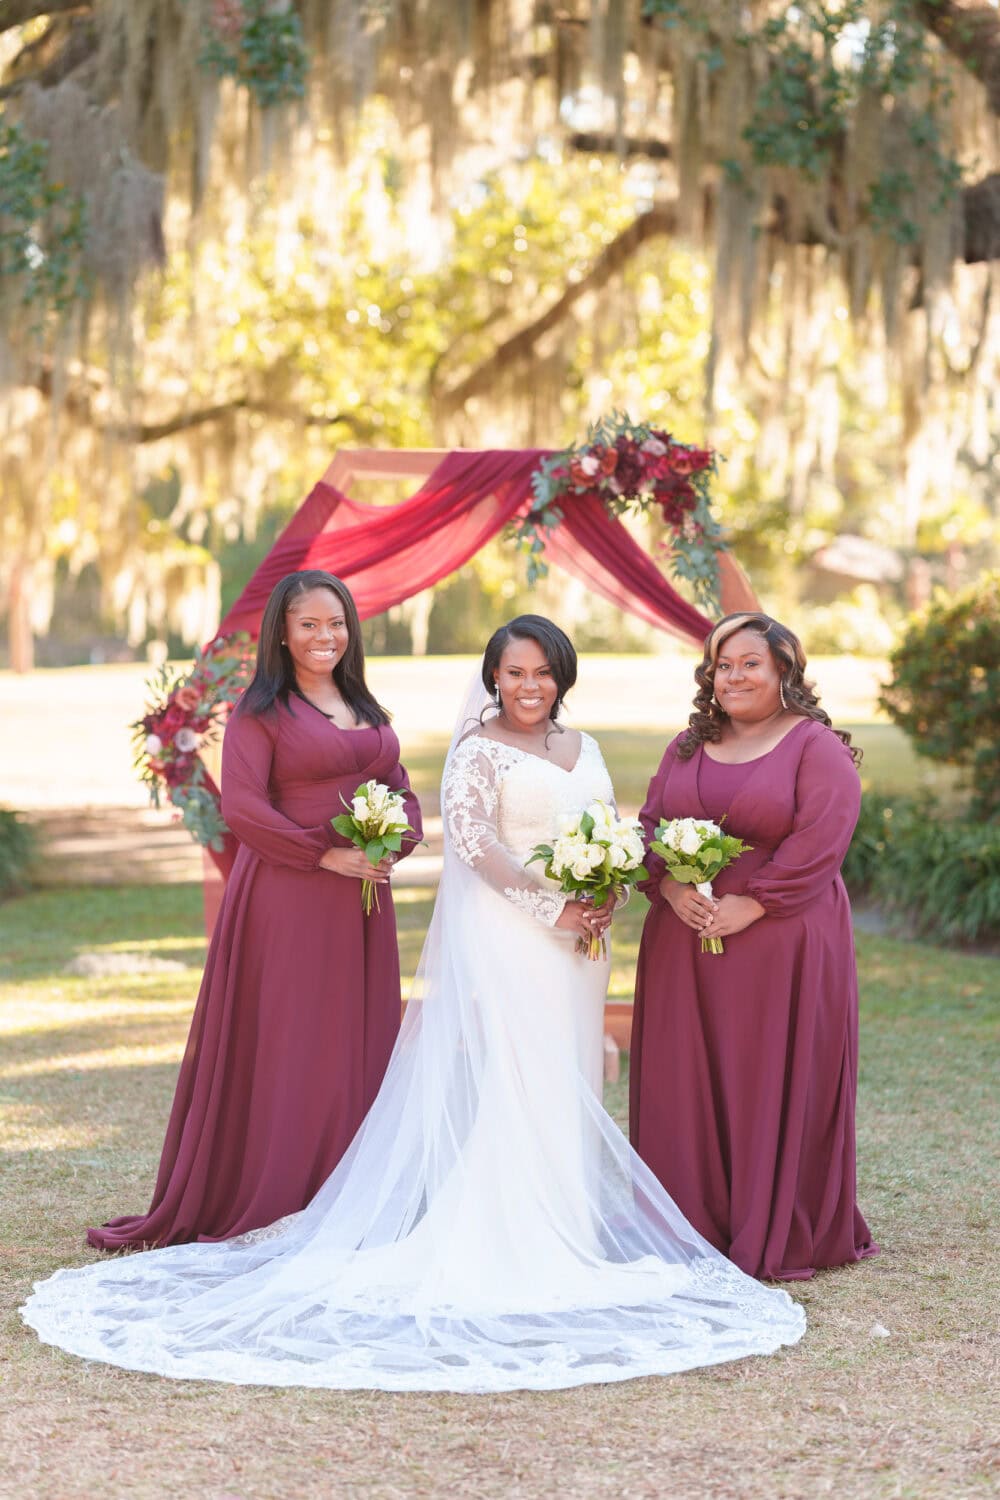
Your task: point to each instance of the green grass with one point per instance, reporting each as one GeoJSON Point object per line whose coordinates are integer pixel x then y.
{"type": "Point", "coordinates": [86, 1076]}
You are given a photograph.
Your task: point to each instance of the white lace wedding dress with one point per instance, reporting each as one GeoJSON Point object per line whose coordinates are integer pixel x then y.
{"type": "Point", "coordinates": [490, 1228]}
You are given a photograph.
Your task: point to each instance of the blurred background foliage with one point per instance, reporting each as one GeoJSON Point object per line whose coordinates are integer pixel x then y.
{"type": "Point", "coordinates": [238, 235]}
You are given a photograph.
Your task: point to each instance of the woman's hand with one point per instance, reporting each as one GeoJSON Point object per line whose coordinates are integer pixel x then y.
{"type": "Point", "coordinates": [732, 914]}
{"type": "Point", "coordinates": [583, 918]}
{"type": "Point", "coordinates": [354, 863]}
{"type": "Point", "coordinates": [694, 909]}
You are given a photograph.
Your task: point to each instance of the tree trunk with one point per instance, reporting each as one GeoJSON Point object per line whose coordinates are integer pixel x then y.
{"type": "Point", "coordinates": [22, 642]}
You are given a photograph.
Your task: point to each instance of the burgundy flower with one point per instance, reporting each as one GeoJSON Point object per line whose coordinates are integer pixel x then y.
{"type": "Point", "coordinates": [176, 772]}
{"type": "Point", "coordinates": [631, 469]}
{"type": "Point", "coordinates": [172, 719]}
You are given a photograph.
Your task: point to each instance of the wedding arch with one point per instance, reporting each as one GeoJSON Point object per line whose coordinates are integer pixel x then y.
{"type": "Point", "coordinates": [567, 509]}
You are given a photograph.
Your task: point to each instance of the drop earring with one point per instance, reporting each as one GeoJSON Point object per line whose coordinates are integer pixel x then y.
{"type": "Point", "coordinates": [781, 693]}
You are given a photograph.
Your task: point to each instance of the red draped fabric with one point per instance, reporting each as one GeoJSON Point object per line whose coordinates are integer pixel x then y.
{"type": "Point", "coordinates": [387, 553]}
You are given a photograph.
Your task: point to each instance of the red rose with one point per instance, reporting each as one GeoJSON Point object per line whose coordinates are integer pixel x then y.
{"type": "Point", "coordinates": [188, 698]}
{"type": "Point", "coordinates": [172, 719]}
{"type": "Point", "coordinates": [689, 460]}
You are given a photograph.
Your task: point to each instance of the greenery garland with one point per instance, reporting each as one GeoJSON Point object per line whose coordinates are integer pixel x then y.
{"type": "Point", "coordinates": [630, 466]}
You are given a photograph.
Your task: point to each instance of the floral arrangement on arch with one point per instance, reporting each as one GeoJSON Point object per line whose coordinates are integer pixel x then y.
{"type": "Point", "coordinates": [631, 466]}
{"type": "Point", "coordinates": [186, 710]}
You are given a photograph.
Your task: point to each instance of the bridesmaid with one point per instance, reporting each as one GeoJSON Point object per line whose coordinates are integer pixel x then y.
{"type": "Point", "coordinates": [744, 1065]}
{"type": "Point", "coordinates": [300, 1002]}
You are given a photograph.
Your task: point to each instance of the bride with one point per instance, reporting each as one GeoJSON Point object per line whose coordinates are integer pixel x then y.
{"type": "Point", "coordinates": [490, 1228]}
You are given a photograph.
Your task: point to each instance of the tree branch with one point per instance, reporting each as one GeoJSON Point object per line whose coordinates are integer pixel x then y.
{"type": "Point", "coordinates": [19, 12]}
{"type": "Point", "coordinates": [154, 432]}
{"type": "Point", "coordinates": [80, 46]}
{"type": "Point", "coordinates": [521, 345]}
{"type": "Point", "coordinates": [970, 31]}
{"type": "Point", "coordinates": [78, 403]}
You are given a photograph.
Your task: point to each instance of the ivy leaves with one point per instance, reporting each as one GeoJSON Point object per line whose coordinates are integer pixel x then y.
{"type": "Point", "coordinates": [42, 230]}
{"type": "Point", "coordinates": [261, 46]}
{"type": "Point", "coordinates": [823, 64]}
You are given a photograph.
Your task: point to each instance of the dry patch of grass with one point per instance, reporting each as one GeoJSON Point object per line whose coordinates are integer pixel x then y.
{"type": "Point", "coordinates": [86, 1075]}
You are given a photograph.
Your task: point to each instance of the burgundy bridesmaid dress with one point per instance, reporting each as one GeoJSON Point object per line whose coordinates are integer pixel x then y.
{"type": "Point", "coordinates": [300, 1001]}
{"type": "Point", "coordinates": [744, 1065]}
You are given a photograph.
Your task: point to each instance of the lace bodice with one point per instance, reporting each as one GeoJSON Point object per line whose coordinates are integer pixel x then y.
{"type": "Point", "coordinates": [499, 802]}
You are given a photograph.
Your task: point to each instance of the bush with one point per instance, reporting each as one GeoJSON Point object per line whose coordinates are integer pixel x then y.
{"type": "Point", "coordinates": [17, 851]}
{"type": "Point", "coordinates": [945, 689]}
{"type": "Point", "coordinates": [943, 875]}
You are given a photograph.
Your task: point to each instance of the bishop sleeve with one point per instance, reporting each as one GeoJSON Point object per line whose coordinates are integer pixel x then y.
{"type": "Point", "coordinates": [469, 797]}
{"type": "Point", "coordinates": [808, 859]}
{"type": "Point", "coordinates": [650, 816]}
{"type": "Point", "coordinates": [247, 754]}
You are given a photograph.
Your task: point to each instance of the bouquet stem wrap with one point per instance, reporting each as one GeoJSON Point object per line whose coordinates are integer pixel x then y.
{"type": "Point", "coordinates": [708, 944]}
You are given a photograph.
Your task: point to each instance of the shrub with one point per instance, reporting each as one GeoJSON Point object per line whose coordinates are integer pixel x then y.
{"type": "Point", "coordinates": [945, 688]}
{"type": "Point", "coordinates": [17, 851]}
{"type": "Point", "coordinates": [943, 875]}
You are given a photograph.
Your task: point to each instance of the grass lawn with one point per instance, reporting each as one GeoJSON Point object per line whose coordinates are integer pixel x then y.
{"type": "Point", "coordinates": [888, 1394]}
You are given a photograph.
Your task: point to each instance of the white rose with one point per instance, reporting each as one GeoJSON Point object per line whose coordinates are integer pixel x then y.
{"type": "Point", "coordinates": [615, 858]}
{"type": "Point", "coordinates": [595, 853]}
{"type": "Point", "coordinates": [581, 867]}
{"type": "Point", "coordinates": [359, 807]}
{"type": "Point", "coordinates": [635, 849]}
{"type": "Point", "coordinates": [602, 815]}
{"type": "Point", "coordinates": [153, 744]}
{"type": "Point", "coordinates": [691, 841]}
{"type": "Point", "coordinates": [185, 739]}
{"type": "Point", "coordinates": [564, 852]}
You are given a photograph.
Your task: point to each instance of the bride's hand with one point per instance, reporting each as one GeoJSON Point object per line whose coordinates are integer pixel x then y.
{"type": "Point", "coordinates": [583, 919]}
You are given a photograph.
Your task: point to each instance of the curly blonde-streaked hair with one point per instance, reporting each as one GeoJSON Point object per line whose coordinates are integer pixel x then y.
{"type": "Point", "coordinates": [707, 718]}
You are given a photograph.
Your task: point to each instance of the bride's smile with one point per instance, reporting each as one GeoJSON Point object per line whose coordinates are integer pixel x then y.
{"type": "Point", "coordinates": [527, 686]}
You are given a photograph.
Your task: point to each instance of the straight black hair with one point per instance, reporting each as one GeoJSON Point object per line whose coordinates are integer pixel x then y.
{"type": "Point", "coordinates": [274, 678]}
{"type": "Point", "coordinates": [559, 650]}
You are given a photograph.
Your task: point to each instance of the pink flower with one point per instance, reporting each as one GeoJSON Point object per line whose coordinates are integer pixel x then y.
{"type": "Point", "coordinates": [654, 446]}
{"type": "Point", "coordinates": [188, 698]}
{"type": "Point", "coordinates": [153, 744]}
{"type": "Point", "coordinates": [186, 740]}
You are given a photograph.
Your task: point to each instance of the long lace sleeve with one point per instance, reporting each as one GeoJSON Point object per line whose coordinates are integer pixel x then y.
{"type": "Point", "coordinates": [469, 796]}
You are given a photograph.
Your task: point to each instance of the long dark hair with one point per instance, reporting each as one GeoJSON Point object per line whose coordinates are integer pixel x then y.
{"type": "Point", "coordinates": [560, 653]}
{"type": "Point", "coordinates": [798, 695]}
{"type": "Point", "coordinates": [274, 678]}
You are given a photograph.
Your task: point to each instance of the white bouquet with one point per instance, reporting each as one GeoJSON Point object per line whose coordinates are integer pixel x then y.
{"type": "Point", "coordinates": [376, 823]}
{"type": "Point", "coordinates": [694, 851]}
{"type": "Point", "coordinates": [596, 854]}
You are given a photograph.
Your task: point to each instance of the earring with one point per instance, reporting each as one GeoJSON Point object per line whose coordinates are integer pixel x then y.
{"type": "Point", "coordinates": [781, 693]}
{"type": "Point", "coordinates": [284, 643]}
{"type": "Point", "coordinates": [498, 701]}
